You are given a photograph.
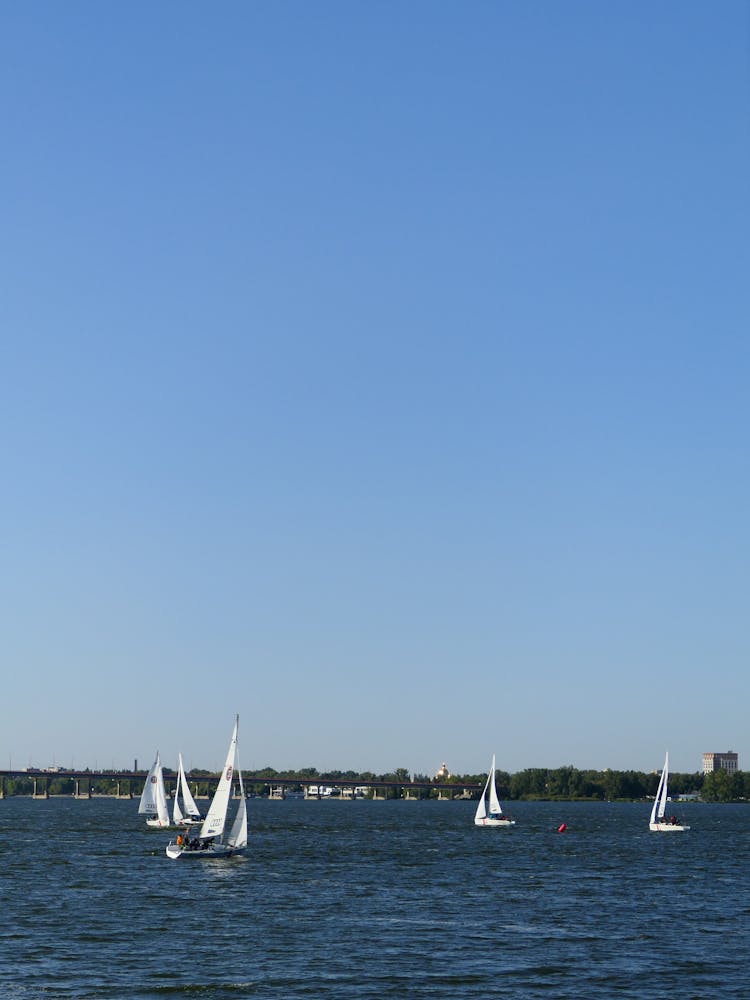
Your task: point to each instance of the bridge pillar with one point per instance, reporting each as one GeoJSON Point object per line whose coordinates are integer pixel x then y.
{"type": "Point", "coordinates": [82, 795]}
{"type": "Point", "coordinates": [41, 795]}
{"type": "Point", "coordinates": [124, 795]}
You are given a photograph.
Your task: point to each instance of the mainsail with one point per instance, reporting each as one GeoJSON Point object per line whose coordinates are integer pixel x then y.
{"type": "Point", "coordinates": [213, 824]}
{"type": "Point", "coordinates": [191, 809]}
{"type": "Point", "coordinates": [147, 805]}
{"type": "Point", "coordinates": [495, 807]}
{"type": "Point", "coordinates": [660, 799]}
{"type": "Point", "coordinates": [154, 797]}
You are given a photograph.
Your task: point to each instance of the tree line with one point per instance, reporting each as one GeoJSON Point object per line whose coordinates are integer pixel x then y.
{"type": "Point", "coordinates": [534, 783]}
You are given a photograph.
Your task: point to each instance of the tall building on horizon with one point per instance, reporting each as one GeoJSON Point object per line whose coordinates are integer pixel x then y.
{"type": "Point", "coordinates": [720, 762]}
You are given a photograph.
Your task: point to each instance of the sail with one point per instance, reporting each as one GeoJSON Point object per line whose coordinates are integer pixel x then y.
{"type": "Point", "coordinates": [162, 810]}
{"type": "Point", "coordinates": [238, 833]}
{"type": "Point", "coordinates": [213, 824]}
{"type": "Point", "coordinates": [147, 805]}
{"type": "Point", "coordinates": [188, 801]}
{"type": "Point", "coordinates": [495, 807]}
{"type": "Point", "coordinates": [664, 788]}
{"type": "Point", "coordinates": [482, 807]}
{"type": "Point", "coordinates": [660, 799]}
{"type": "Point", "coordinates": [177, 816]}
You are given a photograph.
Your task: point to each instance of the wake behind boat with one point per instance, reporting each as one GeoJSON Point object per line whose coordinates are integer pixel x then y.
{"type": "Point", "coordinates": [657, 821]}
{"type": "Point", "coordinates": [210, 842]}
{"type": "Point", "coordinates": [492, 816]}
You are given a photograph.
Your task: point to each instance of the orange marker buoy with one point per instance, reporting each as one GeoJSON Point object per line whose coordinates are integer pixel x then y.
{"type": "Point", "coordinates": [562, 828]}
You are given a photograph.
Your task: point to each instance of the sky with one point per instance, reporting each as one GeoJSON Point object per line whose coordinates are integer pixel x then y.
{"type": "Point", "coordinates": [378, 372]}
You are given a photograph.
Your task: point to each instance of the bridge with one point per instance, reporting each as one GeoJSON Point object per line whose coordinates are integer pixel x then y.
{"type": "Point", "coordinates": [84, 781]}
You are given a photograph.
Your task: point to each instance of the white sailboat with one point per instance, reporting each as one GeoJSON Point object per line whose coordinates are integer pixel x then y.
{"type": "Point", "coordinates": [211, 842]}
{"type": "Point", "coordinates": [492, 816]}
{"type": "Point", "coordinates": [153, 804]}
{"type": "Point", "coordinates": [657, 821]}
{"type": "Point", "coordinates": [191, 814]}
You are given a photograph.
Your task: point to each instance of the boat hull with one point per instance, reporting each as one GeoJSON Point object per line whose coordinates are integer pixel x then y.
{"type": "Point", "coordinates": [667, 827]}
{"type": "Point", "coordinates": [177, 853]}
{"type": "Point", "coordinates": [488, 821]}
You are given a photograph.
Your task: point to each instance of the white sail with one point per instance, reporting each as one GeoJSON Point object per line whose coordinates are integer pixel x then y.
{"type": "Point", "coordinates": [495, 807]}
{"type": "Point", "coordinates": [660, 799]}
{"type": "Point", "coordinates": [188, 801]}
{"type": "Point", "coordinates": [664, 788]}
{"type": "Point", "coordinates": [147, 805]}
{"type": "Point", "coordinates": [213, 824]}
{"type": "Point", "coordinates": [481, 808]}
{"type": "Point", "coordinates": [162, 810]}
{"type": "Point", "coordinates": [238, 833]}
{"type": "Point", "coordinates": [177, 816]}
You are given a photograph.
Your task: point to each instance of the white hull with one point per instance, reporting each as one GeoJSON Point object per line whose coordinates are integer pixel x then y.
{"type": "Point", "coordinates": [667, 827]}
{"type": "Point", "coordinates": [488, 821]}
{"type": "Point", "coordinates": [154, 824]}
{"type": "Point", "coordinates": [175, 852]}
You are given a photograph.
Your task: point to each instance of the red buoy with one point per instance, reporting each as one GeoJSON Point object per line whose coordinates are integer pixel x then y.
{"type": "Point", "coordinates": [562, 828]}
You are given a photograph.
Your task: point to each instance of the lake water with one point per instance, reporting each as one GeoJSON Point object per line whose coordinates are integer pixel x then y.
{"type": "Point", "coordinates": [376, 900]}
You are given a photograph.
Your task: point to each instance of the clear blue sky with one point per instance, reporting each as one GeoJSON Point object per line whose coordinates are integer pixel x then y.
{"type": "Point", "coordinates": [378, 372]}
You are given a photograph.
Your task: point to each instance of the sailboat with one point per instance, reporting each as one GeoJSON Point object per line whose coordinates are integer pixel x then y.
{"type": "Point", "coordinates": [494, 815]}
{"type": "Point", "coordinates": [153, 802]}
{"type": "Point", "coordinates": [191, 815]}
{"type": "Point", "coordinates": [657, 821]}
{"type": "Point", "coordinates": [211, 841]}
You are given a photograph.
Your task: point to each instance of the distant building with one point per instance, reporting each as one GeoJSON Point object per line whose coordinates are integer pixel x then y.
{"type": "Point", "coordinates": [720, 762]}
{"type": "Point", "coordinates": [443, 772]}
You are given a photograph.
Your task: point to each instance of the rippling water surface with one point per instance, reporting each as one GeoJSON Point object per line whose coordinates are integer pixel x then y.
{"type": "Point", "coordinates": [376, 899]}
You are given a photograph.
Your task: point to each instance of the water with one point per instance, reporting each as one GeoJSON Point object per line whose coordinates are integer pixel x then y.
{"type": "Point", "coordinates": [376, 900]}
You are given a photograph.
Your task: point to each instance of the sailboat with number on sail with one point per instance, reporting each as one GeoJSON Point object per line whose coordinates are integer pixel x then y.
{"type": "Point", "coordinates": [491, 813]}
{"type": "Point", "coordinates": [657, 821]}
{"type": "Point", "coordinates": [153, 804]}
{"type": "Point", "coordinates": [191, 814]}
{"type": "Point", "coordinates": [211, 841]}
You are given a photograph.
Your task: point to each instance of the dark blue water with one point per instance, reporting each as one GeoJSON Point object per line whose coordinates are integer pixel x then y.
{"type": "Point", "coordinates": [376, 900]}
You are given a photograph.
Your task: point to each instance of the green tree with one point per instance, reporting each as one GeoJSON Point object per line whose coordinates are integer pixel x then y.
{"type": "Point", "coordinates": [717, 786]}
